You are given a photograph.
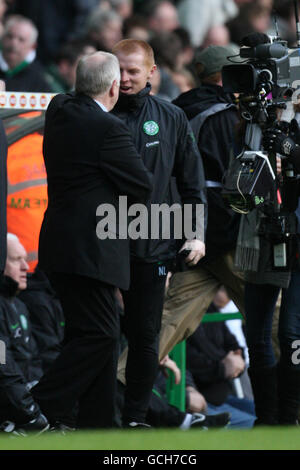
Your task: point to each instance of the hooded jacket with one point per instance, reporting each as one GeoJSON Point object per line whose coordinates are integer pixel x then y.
{"type": "Point", "coordinates": [46, 316]}
{"type": "Point", "coordinates": [215, 143]}
{"type": "Point", "coordinates": [22, 364]}
{"type": "Point", "coordinates": [163, 137]}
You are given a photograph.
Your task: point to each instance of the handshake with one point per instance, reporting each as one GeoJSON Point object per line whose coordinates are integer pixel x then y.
{"type": "Point", "coordinates": [284, 141]}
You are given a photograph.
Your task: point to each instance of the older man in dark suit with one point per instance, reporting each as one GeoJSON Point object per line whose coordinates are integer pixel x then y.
{"type": "Point", "coordinates": [90, 159]}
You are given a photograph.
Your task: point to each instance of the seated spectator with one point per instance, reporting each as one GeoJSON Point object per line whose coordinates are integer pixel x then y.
{"type": "Point", "coordinates": [61, 75]}
{"type": "Point", "coordinates": [104, 29]}
{"type": "Point", "coordinates": [122, 7]}
{"type": "Point", "coordinates": [46, 317]}
{"type": "Point", "coordinates": [216, 36]}
{"type": "Point", "coordinates": [18, 67]}
{"type": "Point", "coordinates": [253, 17]}
{"type": "Point", "coordinates": [58, 21]}
{"type": "Point", "coordinates": [199, 17]}
{"type": "Point", "coordinates": [167, 49]}
{"type": "Point", "coordinates": [162, 414]}
{"type": "Point", "coordinates": [214, 358]}
{"type": "Point", "coordinates": [22, 369]}
{"type": "Point", "coordinates": [136, 27]}
{"type": "Point", "coordinates": [161, 15]}
{"type": "Point", "coordinates": [184, 79]}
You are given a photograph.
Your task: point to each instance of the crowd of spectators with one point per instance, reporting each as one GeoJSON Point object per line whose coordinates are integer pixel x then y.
{"type": "Point", "coordinates": [44, 54]}
{"type": "Point", "coordinates": [41, 44]}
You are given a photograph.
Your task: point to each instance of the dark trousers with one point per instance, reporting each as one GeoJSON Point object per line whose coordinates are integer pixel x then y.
{"type": "Point", "coordinates": [260, 303]}
{"type": "Point", "coordinates": [143, 305]}
{"type": "Point", "coordinates": [84, 374]}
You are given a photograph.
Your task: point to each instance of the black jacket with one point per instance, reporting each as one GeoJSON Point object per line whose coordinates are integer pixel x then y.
{"type": "Point", "coordinates": [205, 350]}
{"type": "Point", "coordinates": [46, 317]}
{"type": "Point", "coordinates": [168, 150]}
{"type": "Point", "coordinates": [216, 141]}
{"type": "Point", "coordinates": [90, 160]}
{"type": "Point", "coordinates": [29, 78]}
{"type": "Point", "coordinates": [3, 195]}
{"type": "Point", "coordinates": [22, 362]}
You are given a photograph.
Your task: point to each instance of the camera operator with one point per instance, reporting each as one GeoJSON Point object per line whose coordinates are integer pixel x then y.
{"type": "Point", "coordinates": [276, 388]}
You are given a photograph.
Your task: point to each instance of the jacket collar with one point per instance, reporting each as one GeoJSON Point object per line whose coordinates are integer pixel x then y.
{"type": "Point", "coordinates": [133, 102]}
{"type": "Point", "coordinates": [8, 287]}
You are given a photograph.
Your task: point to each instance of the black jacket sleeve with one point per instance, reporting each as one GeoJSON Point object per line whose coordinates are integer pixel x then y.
{"type": "Point", "coordinates": [13, 389]}
{"type": "Point", "coordinates": [188, 168]}
{"type": "Point", "coordinates": [124, 166]}
{"type": "Point", "coordinates": [47, 322]}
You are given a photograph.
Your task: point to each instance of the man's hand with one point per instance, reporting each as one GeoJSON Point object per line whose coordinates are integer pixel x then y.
{"type": "Point", "coordinates": [234, 364]}
{"type": "Point", "coordinates": [168, 363]}
{"type": "Point", "coordinates": [197, 402]}
{"type": "Point", "coordinates": [196, 249]}
{"type": "Point", "coordinates": [274, 140]}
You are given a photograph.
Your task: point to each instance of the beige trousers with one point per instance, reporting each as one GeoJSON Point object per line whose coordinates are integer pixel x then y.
{"type": "Point", "coordinates": [188, 297]}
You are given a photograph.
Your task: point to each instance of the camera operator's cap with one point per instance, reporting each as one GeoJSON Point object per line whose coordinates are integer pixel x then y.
{"type": "Point", "coordinates": [211, 59]}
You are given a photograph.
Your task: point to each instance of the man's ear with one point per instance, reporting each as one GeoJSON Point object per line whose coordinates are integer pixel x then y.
{"type": "Point", "coordinates": [114, 89]}
{"type": "Point", "coordinates": [151, 72]}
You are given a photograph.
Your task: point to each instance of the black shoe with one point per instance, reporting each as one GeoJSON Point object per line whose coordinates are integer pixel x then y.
{"type": "Point", "coordinates": [61, 428]}
{"type": "Point", "coordinates": [135, 425]}
{"type": "Point", "coordinates": [10, 428]}
{"type": "Point", "coordinates": [205, 422]}
{"type": "Point", "coordinates": [36, 426]}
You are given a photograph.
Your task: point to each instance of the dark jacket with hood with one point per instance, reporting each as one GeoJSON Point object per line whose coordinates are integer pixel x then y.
{"type": "Point", "coordinates": [164, 139]}
{"type": "Point", "coordinates": [206, 348]}
{"type": "Point", "coordinates": [22, 364]}
{"type": "Point", "coordinates": [216, 142]}
{"type": "Point", "coordinates": [46, 317]}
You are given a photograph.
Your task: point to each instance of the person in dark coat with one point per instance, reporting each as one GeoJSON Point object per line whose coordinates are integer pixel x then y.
{"type": "Point", "coordinates": [214, 358]}
{"type": "Point", "coordinates": [46, 316]}
{"type": "Point", "coordinates": [162, 134]}
{"type": "Point", "coordinates": [22, 368]}
{"type": "Point", "coordinates": [90, 160]}
{"type": "Point", "coordinates": [18, 67]}
{"type": "Point", "coordinates": [213, 117]}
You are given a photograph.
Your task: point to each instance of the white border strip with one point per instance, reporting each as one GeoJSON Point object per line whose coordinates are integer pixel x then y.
{"type": "Point", "coordinates": [25, 100]}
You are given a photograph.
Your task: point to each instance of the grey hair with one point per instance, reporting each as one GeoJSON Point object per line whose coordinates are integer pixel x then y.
{"type": "Point", "coordinates": [100, 18]}
{"type": "Point", "coordinates": [21, 19]}
{"type": "Point", "coordinates": [12, 236]}
{"type": "Point", "coordinates": [96, 73]}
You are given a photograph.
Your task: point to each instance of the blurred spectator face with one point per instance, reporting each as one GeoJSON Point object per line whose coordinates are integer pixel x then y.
{"type": "Point", "coordinates": [123, 7]}
{"type": "Point", "coordinates": [261, 22]}
{"type": "Point", "coordinates": [135, 72]}
{"type": "Point", "coordinates": [165, 18]}
{"type": "Point", "coordinates": [109, 35]}
{"type": "Point", "coordinates": [17, 42]}
{"type": "Point", "coordinates": [3, 8]}
{"type": "Point", "coordinates": [68, 70]}
{"type": "Point", "coordinates": [16, 265]}
{"type": "Point", "coordinates": [217, 36]}
{"type": "Point", "coordinates": [139, 33]}
{"type": "Point", "coordinates": [221, 298]}
{"type": "Point", "coordinates": [184, 80]}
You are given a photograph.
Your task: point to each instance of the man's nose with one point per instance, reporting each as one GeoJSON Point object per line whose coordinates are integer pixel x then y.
{"type": "Point", "coordinates": [25, 265]}
{"type": "Point", "coordinates": [124, 76]}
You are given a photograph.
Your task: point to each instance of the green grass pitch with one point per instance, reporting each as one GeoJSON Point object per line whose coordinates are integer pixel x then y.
{"type": "Point", "coordinates": [162, 439]}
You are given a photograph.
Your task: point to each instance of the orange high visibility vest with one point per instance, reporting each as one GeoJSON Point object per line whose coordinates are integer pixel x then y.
{"type": "Point", "coordinates": [26, 192]}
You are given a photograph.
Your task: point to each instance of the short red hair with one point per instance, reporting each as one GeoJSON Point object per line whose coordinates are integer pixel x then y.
{"type": "Point", "coordinates": [129, 46]}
